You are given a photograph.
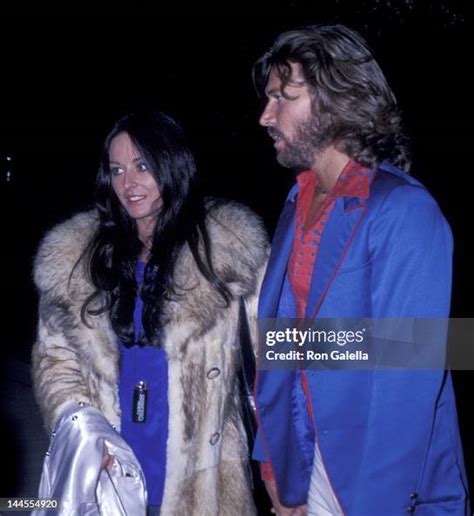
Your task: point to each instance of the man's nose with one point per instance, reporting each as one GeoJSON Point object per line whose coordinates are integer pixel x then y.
{"type": "Point", "coordinates": [267, 118]}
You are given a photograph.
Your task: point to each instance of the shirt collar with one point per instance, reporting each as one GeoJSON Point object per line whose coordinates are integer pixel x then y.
{"type": "Point", "coordinates": [354, 181]}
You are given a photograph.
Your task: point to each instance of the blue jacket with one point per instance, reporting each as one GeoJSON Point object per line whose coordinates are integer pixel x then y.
{"type": "Point", "coordinates": [389, 439]}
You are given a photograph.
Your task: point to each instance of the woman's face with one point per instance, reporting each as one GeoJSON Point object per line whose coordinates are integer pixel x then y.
{"type": "Point", "coordinates": [132, 182]}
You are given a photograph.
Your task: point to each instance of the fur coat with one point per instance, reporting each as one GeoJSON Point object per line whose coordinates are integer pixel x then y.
{"type": "Point", "coordinates": [206, 449]}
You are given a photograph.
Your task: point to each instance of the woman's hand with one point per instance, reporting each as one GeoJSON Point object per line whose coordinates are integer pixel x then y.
{"type": "Point", "coordinates": [107, 460]}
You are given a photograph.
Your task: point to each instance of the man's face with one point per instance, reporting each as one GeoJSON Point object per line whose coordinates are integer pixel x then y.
{"type": "Point", "coordinates": [291, 122]}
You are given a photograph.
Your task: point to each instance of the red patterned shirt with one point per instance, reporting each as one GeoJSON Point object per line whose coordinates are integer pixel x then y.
{"type": "Point", "coordinates": [354, 182]}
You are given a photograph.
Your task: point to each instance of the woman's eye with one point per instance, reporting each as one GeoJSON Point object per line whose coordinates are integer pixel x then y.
{"type": "Point", "coordinates": [116, 171]}
{"type": "Point", "coordinates": [142, 167]}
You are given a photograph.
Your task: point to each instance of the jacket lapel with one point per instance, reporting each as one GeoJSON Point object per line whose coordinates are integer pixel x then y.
{"type": "Point", "coordinates": [336, 239]}
{"type": "Point", "coordinates": [278, 261]}
{"type": "Point", "coordinates": [342, 225]}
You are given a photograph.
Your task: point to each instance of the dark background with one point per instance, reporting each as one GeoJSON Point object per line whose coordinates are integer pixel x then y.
{"type": "Point", "coordinates": [65, 77]}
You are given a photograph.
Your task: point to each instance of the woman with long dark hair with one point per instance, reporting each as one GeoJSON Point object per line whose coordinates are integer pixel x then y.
{"type": "Point", "coordinates": [137, 349]}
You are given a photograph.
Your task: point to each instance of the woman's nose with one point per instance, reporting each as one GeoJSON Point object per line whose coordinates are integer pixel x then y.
{"type": "Point", "coordinates": [129, 178]}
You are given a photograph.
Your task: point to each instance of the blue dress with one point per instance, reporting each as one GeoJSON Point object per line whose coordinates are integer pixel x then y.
{"type": "Point", "coordinates": [148, 439]}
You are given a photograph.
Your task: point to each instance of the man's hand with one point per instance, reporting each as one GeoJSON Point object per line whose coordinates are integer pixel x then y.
{"type": "Point", "coordinates": [280, 510]}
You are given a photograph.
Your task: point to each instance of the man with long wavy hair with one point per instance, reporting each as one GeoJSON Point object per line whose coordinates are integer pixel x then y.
{"type": "Point", "coordinates": [358, 238]}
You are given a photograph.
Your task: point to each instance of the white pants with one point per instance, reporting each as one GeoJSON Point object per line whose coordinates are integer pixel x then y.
{"type": "Point", "coordinates": [321, 498]}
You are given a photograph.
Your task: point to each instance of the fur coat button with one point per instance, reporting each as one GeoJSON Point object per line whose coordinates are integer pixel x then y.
{"type": "Point", "coordinates": [213, 373]}
{"type": "Point", "coordinates": [214, 438]}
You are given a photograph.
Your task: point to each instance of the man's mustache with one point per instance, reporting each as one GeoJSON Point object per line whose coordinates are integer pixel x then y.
{"type": "Point", "coordinates": [273, 132]}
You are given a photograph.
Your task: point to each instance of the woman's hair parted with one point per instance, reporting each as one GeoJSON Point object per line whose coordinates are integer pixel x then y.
{"type": "Point", "coordinates": [113, 252]}
{"type": "Point", "coordinates": [354, 104]}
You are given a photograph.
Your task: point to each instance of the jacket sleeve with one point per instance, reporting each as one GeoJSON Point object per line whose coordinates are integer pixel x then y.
{"type": "Point", "coordinates": [73, 472]}
{"type": "Point", "coordinates": [411, 248]}
{"type": "Point", "coordinates": [411, 254]}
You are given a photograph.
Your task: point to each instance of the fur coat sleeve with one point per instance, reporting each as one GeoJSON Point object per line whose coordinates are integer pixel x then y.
{"type": "Point", "coordinates": [71, 361]}
{"type": "Point", "coordinates": [207, 448]}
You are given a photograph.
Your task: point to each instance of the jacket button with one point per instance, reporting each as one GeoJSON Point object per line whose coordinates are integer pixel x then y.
{"type": "Point", "coordinates": [414, 496]}
{"type": "Point", "coordinates": [411, 508]}
{"type": "Point", "coordinates": [213, 373]}
{"type": "Point", "coordinates": [214, 438]}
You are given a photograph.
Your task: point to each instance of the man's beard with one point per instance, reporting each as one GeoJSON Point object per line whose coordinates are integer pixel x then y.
{"type": "Point", "coordinates": [309, 141]}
